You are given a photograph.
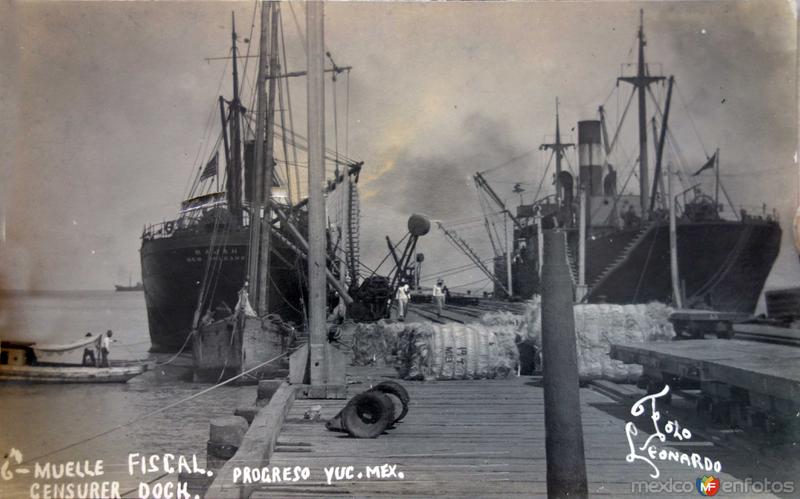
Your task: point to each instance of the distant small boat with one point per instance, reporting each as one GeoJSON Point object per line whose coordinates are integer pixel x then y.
{"type": "Point", "coordinates": [137, 287]}
{"type": "Point", "coordinates": [39, 363]}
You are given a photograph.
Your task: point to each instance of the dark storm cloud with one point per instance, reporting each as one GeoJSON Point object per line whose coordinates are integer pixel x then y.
{"type": "Point", "coordinates": [440, 183]}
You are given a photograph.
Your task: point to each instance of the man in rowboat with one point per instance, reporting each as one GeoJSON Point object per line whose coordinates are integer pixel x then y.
{"type": "Point", "coordinates": [89, 358]}
{"type": "Point", "coordinates": [105, 346]}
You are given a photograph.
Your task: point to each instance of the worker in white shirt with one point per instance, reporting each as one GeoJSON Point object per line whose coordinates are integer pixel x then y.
{"type": "Point", "coordinates": [105, 346]}
{"type": "Point", "coordinates": [438, 297]}
{"type": "Point", "coordinates": [402, 296]}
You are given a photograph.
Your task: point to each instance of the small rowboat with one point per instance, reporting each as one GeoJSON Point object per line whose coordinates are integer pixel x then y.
{"type": "Point", "coordinates": [36, 363]}
{"type": "Point", "coordinates": [69, 374]}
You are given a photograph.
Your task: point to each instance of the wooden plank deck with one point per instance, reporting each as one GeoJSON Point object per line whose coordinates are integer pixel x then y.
{"type": "Point", "coordinates": [477, 438]}
{"type": "Point", "coordinates": [768, 369]}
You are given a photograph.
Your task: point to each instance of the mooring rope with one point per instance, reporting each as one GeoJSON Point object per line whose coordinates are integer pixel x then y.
{"type": "Point", "coordinates": [180, 351]}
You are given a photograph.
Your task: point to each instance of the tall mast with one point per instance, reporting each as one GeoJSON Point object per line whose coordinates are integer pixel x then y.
{"type": "Point", "coordinates": [641, 81]}
{"type": "Point", "coordinates": [558, 149]}
{"type": "Point", "coordinates": [660, 144]}
{"type": "Point", "coordinates": [268, 165]}
{"type": "Point", "coordinates": [257, 194]}
{"type": "Point", "coordinates": [234, 178]}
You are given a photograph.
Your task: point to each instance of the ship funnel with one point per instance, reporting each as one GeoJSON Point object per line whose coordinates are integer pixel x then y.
{"type": "Point", "coordinates": [590, 157]}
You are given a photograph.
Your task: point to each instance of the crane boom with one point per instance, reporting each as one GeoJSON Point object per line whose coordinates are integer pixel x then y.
{"type": "Point", "coordinates": [481, 183]}
{"type": "Point", "coordinates": [465, 248]}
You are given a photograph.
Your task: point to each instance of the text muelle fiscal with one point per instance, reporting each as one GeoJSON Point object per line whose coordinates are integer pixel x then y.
{"type": "Point", "coordinates": [70, 469]}
{"type": "Point", "coordinates": [167, 463]}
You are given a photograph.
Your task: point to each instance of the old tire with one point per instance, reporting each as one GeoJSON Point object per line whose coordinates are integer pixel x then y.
{"type": "Point", "coordinates": [397, 390]}
{"type": "Point", "coordinates": [367, 414]}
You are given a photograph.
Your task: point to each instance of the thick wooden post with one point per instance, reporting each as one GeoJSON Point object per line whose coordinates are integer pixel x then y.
{"type": "Point", "coordinates": [316, 178]}
{"type": "Point", "coordinates": [566, 466]}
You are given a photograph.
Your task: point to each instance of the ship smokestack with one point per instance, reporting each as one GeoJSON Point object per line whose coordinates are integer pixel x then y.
{"type": "Point", "coordinates": [590, 157]}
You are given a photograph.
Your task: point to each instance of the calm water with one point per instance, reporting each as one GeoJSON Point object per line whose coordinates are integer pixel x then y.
{"type": "Point", "coordinates": [39, 419]}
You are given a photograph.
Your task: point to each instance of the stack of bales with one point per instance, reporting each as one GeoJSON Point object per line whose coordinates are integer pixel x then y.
{"type": "Point", "coordinates": [597, 326]}
{"type": "Point", "coordinates": [436, 352]}
{"type": "Point", "coordinates": [372, 343]}
{"type": "Point", "coordinates": [489, 348]}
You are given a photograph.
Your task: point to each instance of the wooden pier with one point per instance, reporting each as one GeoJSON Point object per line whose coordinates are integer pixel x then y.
{"type": "Point", "coordinates": [750, 380]}
{"type": "Point", "coordinates": [486, 438]}
{"type": "Point", "coordinates": [477, 438]}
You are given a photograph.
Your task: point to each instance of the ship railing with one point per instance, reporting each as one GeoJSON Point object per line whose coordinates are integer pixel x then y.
{"type": "Point", "coordinates": [756, 212]}
{"type": "Point", "coordinates": [165, 228]}
{"type": "Point", "coordinates": [190, 219]}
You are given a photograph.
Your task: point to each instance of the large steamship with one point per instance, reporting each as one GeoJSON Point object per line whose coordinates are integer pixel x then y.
{"type": "Point", "coordinates": [723, 262]}
{"type": "Point", "coordinates": [198, 262]}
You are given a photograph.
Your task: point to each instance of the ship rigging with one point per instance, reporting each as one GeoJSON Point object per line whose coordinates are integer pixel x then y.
{"type": "Point", "coordinates": [254, 228]}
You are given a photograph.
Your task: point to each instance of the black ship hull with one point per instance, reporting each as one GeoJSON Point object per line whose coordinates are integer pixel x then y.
{"type": "Point", "coordinates": [723, 264]}
{"type": "Point", "coordinates": [173, 270]}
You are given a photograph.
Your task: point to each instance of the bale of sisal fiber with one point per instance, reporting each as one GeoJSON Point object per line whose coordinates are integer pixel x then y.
{"type": "Point", "coordinates": [456, 351]}
{"type": "Point", "coordinates": [598, 326]}
{"type": "Point", "coordinates": [373, 343]}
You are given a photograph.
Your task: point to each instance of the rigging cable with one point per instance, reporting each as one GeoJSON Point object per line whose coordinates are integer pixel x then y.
{"type": "Point", "coordinates": [512, 160]}
{"type": "Point", "coordinates": [471, 283]}
{"type": "Point", "coordinates": [289, 104]}
{"type": "Point", "coordinates": [283, 124]}
{"type": "Point", "coordinates": [347, 115]}
{"type": "Point", "coordinates": [691, 120]}
{"type": "Point", "coordinates": [214, 110]}
{"type": "Point", "coordinates": [546, 169]}
{"type": "Point", "coordinates": [453, 270]}
{"type": "Point", "coordinates": [389, 254]}
{"type": "Point", "coordinates": [247, 54]}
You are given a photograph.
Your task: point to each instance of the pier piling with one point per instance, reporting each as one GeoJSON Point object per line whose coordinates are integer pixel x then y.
{"type": "Point", "coordinates": [225, 435]}
{"type": "Point", "coordinates": [566, 465]}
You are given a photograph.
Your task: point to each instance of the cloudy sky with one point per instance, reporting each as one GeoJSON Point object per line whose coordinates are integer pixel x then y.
{"type": "Point", "coordinates": [106, 105]}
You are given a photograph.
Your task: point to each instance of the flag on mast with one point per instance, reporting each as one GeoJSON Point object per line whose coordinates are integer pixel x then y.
{"type": "Point", "coordinates": [709, 164]}
{"type": "Point", "coordinates": [211, 167]}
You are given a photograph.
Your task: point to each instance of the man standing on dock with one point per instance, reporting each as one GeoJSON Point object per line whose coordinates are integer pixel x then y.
{"type": "Point", "coordinates": [438, 297]}
{"type": "Point", "coordinates": [403, 295]}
